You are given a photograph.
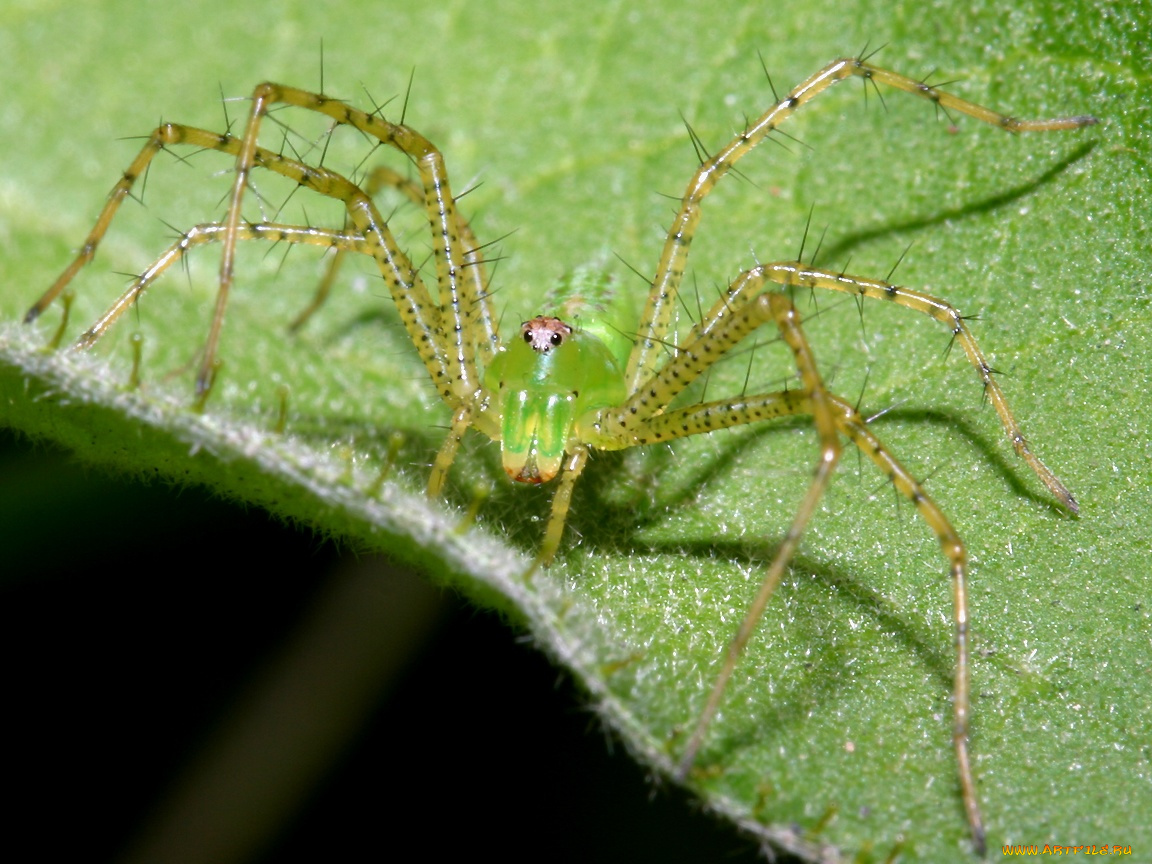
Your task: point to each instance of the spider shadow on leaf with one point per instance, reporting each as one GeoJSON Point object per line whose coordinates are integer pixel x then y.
{"type": "Point", "coordinates": [844, 247]}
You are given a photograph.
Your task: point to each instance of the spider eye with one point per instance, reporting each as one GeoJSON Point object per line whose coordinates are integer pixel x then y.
{"type": "Point", "coordinates": [543, 334]}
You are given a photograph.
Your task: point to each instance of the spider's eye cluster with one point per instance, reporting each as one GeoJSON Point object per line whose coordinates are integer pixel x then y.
{"type": "Point", "coordinates": [543, 333]}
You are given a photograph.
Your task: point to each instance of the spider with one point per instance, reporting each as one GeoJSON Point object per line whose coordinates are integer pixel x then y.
{"type": "Point", "coordinates": [568, 383]}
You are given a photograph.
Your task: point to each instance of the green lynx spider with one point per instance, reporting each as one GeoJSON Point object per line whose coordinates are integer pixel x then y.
{"type": "Point", "coordinates": [557, 392]}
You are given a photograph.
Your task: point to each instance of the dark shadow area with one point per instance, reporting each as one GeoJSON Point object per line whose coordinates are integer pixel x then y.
{"type": "Point", "coordinates": [133, 616]}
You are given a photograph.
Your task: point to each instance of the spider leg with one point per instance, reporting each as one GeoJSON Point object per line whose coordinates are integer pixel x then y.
{"type": "Point", "coordinates": [744, 308]}
{"type": "Point", "coordinates": [379, 178]}
{"type": "Point", "coordinates": [577, 458]}
{"type": "Point", "coordinates": [854, 426]}
{"type": "Point", "coordinates": [450, 349]}
{"type": "Point", "coordinates": [418, 312]}
{"type": "Point", "coordinates": [461, 420]}
{"type": "Point", "coordinates": [119, 192]}
{"type": "Point", "coordinates": [642, 419]}
{"type": "Point", "coordinates": [726, 413]}
{"type": "Point", "coordinates": [797, 273]}
{"type": "Point", "coordinates": [745, 288]}
{"type": "Point", "coordinates": [657, 316]}
{"type": "Point", "coordinates": [817, 401]}
{"type": "Point", "coordinates": [383, 177]}
{"type": "Point", "coordinates": [449, 333]}
{"type": "Point", "coordinates": [213, 232]}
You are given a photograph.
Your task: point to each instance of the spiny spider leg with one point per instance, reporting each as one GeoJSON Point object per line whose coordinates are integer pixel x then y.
{"type": "Point", "coordinates": [418, 312]}
{"type": "Point", "coordinates": [466, 302]}
{"type": "Point", "coordinates": [745, 308]}
{"type": "Point", "coordinates": [449, 335]}
{"type": "Point", "coordinates": [213, 232]}
{"type": "Point", "coordinates": [656, 320]}
{"type": "Point", "coordinates": [727, 413]}
{"type": "Point", "coordinates": [449, 351]}
{"type": "Point", "coordinates": [383, 177]}
{"type": "Point", "coordinates": [652, 386]}
{"type": "Point", "coordinates": [796, 273]}
{"type": "Point", "coordinates": [380, 178]}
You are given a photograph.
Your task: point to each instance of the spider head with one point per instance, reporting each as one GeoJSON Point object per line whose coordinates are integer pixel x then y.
{"type": "Point", "coordinates": [542, 333]}
{"type": "Point", "coordinates": [544, 383]}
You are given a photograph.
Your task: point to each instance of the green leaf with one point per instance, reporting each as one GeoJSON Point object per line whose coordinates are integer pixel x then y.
{"type": "Point", "coordinates": [569, 121]}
